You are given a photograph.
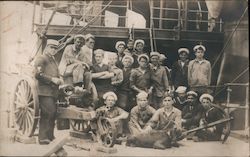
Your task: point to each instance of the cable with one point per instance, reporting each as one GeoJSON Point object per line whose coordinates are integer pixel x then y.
{"type": "Point", "coordinates": [229, 38]}
{"type": "Point", "coordinates": [44, 31]}
{"type": "Point", "coordinates": [236, 78]}
{"type": "Point", "coordinates": [92, 20]}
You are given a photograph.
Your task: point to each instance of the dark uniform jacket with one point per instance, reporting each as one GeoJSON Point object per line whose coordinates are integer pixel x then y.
{"type": "Point", "coordinates": [179, 74]}
{"type": "Point", "coordinates": [125, 84]}
{"type": "Point", "coordinates": [46, 68]}
{"type": "Point", "coordinates": [192, 114]}
{"type": "Point", "coordinates": [213, 114]}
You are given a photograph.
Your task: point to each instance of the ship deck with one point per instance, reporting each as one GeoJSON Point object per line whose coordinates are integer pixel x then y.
{"type": "Point", "coordinates": [232, 147]}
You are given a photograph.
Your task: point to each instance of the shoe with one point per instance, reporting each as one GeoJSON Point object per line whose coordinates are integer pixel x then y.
{"type": "Point", "coordinates": [44, 142]}
{"type": "Point", "coordinates": [52, 138]}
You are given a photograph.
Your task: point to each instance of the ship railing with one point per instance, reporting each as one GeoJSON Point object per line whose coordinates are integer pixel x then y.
{"type": "Point", "coordinates": [232, 97]}
{"type": "Point", "coordinates": [186, 19]}
{"type": "Point", "coordinates": [182, 18]}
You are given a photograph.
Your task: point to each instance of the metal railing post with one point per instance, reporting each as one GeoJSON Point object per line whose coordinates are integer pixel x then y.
{"type": "Point", "coordinates": [247, 110]}
{"type": "Point", "coordinates": [229, 90]}
{"type": "Point", "coordinates": [161, 14]}
{"type": "Point", "coordinates": [41, 13]}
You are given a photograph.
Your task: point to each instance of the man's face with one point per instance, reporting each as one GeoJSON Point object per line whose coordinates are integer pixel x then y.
{"type": "Point", "coordinates": [143, 63]}
{"type": "Point", "coordinates": [130, 45]}
{"type": "Point", "coordinates": [155, 60]}
{"type": "Point", "coordinates": [183, 56]}
{"type": "Point", "coordinates": [90, 43]}
{"type": "Point", "coordinates": [126, 63]}
{"type": "Point", "coordinates": [206, 103]}
{"type": "Point", "coordinates": [199, 53]}
{"type": "Point", "coordinates": [78, 43]}
{"type": "Point", "coordinates": [110, 101]}
{"type": "Point", "coordinates": [168, 102]}
{"type": "Point", "coordinates": [51, 49]}
{"type": "Point", "coordinates": [98, 58]}
{"type": "Point", "coordinates": [142, 102]}
{"type": "Point", "coordinates": [191, 99]}
{"type": "Point", "coordinates": [139, 47]}
{"type": "Point", "coordinates": [112, 60]}
{"type": "Point", "coordinates": [120, 48]}
{"type": "Point", "coordinates": [181, 95]}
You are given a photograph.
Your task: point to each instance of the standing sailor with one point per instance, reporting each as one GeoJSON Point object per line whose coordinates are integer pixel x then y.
{"type": "Point", "coordinates": [47, 74]}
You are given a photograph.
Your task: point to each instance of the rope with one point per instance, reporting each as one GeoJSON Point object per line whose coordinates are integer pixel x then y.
{"type": "Point", "coordinates": [70, 31]}
{"type": "Point", "coordinates": [151, 24]}
{"type": "Point", "coordinates": [229, 38]}
{"type": "Point", "coordinates": [44, 32]}
{"type": "Point", "coordinates": [95, 18]}
{"type": "Point", "coordinates": [153, 36]}
{"type": "Point", "coordinates": [61, 46]}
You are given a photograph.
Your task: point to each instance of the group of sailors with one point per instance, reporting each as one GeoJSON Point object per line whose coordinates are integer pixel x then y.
{"type": "Point", "coordinates": [135, 89]}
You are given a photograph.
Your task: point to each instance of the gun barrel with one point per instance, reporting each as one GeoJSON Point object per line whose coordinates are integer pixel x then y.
{"type": "Point", "coordinates": [209, 125]}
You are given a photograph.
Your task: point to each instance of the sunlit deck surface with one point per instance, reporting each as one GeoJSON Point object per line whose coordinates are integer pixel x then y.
{"type": "Point", "coordinates": [232, 147]}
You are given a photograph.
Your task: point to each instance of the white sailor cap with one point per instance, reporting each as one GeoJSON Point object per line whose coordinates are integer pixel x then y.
{"type": "Point", "coordinates": [181, 89]}
{"type": "Point", "coordinates": [52, 42]}
{"type": "Point", "coordinates": [119, 43]}
{"type": "Point", "coordinates": [193, 93]}
{"type": "Point", "coordinates": [109, 94]}
{"type": "Point", "coordinates": [142, 95]}
{"type": "Point", "coordinates": [162, 57]}
{"type": "Point", "coordinates": [79, 36]}
{"type": "Point", "coordinates": [154, 54]}
{"type": "Point", "coordinates": [199, 46]}
{"type": "Point", "coordinates": [129, 57]}
{"type": "Point", "coordinates": [183, 50]}
{"type": "Point", "coordinates": [207, 96]}
{"type": "Point", "coordinates": [139, 41]}
{"type": "Point", "coordinates": [143, 56]}
{"type": "Point", "coordinates": [87, 36]}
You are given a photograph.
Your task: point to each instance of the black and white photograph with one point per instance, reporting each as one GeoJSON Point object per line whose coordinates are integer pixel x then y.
{"type": "Point", "coordinates": [124, 78]}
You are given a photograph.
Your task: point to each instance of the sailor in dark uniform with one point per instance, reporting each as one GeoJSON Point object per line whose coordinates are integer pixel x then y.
{"type": "Point", "coordinates": [211, 113]}
{"type": "Point", "coordinates": [47, 74]}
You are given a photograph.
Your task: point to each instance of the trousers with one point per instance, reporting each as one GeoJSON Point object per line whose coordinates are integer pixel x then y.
{"type": "Point", "coordinates": [48, 116]}
{"type": "Point", "coordinates": [79, 75]}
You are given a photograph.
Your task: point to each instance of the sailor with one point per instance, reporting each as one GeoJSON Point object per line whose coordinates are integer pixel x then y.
{"type": "Point", "coordinates": [123, 90]}
{"type": "Point", "coordinates": [167, 119]}
{"type": "Point", "coordinates": [87, 49]}
{"type": "Point", "coordinates": [199, 71]}
{"type": "Point", "coordinates": [112, 112]}
{"type": "Point", "coordinates": [179, 72]}
{"type": "Point", "coordinates": [180, 97]}
{"type": "Point", "coordinates": [101, 76]}
{"type": "Point", "coordinates": [192, 111]}
{"type": "Point", "coordinates": [159, 80]}
{"type": "Point", "coordinates": [140, 78]}
{"type": "Point", "coordinates": [163, 58]}
{"type": "Point", "coordinates": [139, 46]}
{"type": "Point", "coordinates": [120, 47]}
{"type": "Point", "coordinates": [211, 113]}
{"type": "Point", "coordinates": [73, 65]}
{"type": "Point", "coordinates": [47, 74]}
{"type": "Point", "coordinates": [118, 75]}
{"type": "Point", "coordinates": [140, 114]}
